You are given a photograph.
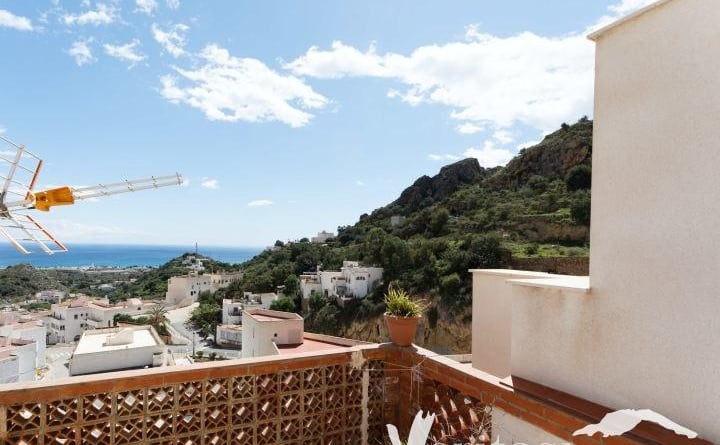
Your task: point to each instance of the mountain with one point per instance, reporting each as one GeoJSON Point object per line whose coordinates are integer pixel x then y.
{"type": "Point", "coordinates": [428, 189]}
{"type": "Point", "coordinates": [466, 216]}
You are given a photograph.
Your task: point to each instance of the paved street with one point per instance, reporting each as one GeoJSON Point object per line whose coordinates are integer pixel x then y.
{"type": "Point", "coordinates": [177, 318]}
{"type": "Point", "coordinates": [56, 359]}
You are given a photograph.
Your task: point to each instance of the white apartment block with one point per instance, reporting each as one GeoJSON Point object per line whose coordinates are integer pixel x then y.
{"type": "Point", "coordinates": [184, 290]}
{"type": "Point", "coordinates": [114, 349]}
{"type": "Point", "coordinates": [67, 321]}
{"type": "Point", "coordinates": [322, 237]}
{"type": "Point", "coordinates": [22, 347]}
{"type": "Point", "coordinates": [351, 281]}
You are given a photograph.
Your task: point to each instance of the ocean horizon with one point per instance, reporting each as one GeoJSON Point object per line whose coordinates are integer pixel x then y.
{"type": "Point", "coordinates": [121, 255]}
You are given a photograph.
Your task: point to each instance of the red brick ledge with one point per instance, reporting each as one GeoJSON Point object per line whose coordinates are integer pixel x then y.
{"type": "Point", "coordinates": [555, 412]}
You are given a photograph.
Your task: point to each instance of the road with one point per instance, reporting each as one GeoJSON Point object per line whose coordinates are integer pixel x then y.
{"type": "Point", "coordinates": [177, 318]}
{"type": "Point", "coordinates": [56, 359]}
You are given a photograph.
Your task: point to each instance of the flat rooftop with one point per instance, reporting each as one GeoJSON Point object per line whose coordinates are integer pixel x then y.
{"type": "Point", "coordinates": [309, 345]}
{"type": "Point", "coordinates": [268, 315]}
{"type": "Point", "coordinates": [101, 340]}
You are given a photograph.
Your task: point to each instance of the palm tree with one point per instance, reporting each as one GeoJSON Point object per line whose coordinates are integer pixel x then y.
{"type": "Point", "coordinates": [157, 318]}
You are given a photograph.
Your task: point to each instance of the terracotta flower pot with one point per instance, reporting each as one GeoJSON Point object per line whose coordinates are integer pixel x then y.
{"type": "Point", "coordinates": [401, 329]}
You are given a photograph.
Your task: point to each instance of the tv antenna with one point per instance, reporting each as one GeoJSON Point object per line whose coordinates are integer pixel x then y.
{"type": "Point", "coordinates": [17, 196]}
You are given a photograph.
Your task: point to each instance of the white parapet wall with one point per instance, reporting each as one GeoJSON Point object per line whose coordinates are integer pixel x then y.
{"type": "Point", "coordinates": [492, 318]}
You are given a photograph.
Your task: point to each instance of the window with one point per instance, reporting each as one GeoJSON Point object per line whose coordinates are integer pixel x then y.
{"type": "Point", "coordinates": [76, 316]}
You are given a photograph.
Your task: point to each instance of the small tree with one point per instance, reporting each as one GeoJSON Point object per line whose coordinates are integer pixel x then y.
{"type": "Point", "coordinates": [283, 304]}
{"type": "Point", "coordinates": [317, 301]}
{"type": "Point", "coordinates": [578, 178]}
{"type": "Point", "coordinates": [580, 209]}
{"type": "Point", "coordinates": [292, 286]}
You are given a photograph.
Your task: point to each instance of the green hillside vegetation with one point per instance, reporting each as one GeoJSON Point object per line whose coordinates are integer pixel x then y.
{"type": "Point", "coordinates": [465, 217]}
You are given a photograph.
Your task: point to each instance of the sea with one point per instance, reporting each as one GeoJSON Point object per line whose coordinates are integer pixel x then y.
{"type": "Point", "coordinates": [112, 255]}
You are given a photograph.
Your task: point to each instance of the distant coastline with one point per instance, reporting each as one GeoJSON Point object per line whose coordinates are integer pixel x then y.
{"type": "Point", "coordinates": [120, 256]}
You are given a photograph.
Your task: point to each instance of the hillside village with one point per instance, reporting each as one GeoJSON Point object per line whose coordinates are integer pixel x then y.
{"type": "Point", "coordinates": [532, 212]}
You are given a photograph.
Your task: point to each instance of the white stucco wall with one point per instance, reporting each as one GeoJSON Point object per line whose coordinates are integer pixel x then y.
{"type": "Point", "coordinates": [9, 369]}
{"type": "Point", "coordinates": [646, 336]}
{"type": "Point", "coordinates": [259, 336]}
{"type": "Point", "coordinates": [107, 361]}
{"type": "Point", "coordinates": [492, 319]}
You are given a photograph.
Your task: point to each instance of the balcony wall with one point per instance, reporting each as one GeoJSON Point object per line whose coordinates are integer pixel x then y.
{"type": "Point", "coordinates": [335, 397]}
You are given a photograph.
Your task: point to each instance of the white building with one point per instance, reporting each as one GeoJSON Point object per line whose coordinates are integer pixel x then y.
{"type": "Point", "coordinates": [50, 296]}
{"type": "Point", "coordinates": [266, 332]}
{"type": "Point", "coordinates": [322, 237]}
{"type": "Point", "coordinates": [17, 360]}
{"type": "Point", "coordinates": [229, 335]}
{"type": "Point", "coordinates": [22, 347]}
{"type": "Point", "coordinates": [194, 264]}
{"type": "Point", "coordinates": [114, 349]}
{"type": "Point", "coordinates": [232, 309]}
{"type": "Point", "coordinates": [641, 330]}
{"type": "Point", "coordinates": [25, 327]}
{"type": "Point", "coordinates": [184, 290]}
{"type": "Point", "coordinates": [68, 320]}
{"type": "Point", "coordinates": [351, 281]}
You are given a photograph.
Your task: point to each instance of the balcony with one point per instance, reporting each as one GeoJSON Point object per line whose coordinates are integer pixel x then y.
{"type": "Point", "coordinates": [332, 397]}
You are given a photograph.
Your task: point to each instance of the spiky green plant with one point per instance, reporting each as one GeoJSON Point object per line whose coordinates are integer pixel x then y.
{"type": "Point", "coordinates": [399, 304]}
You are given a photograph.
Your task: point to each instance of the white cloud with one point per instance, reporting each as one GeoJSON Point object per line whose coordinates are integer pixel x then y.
{"type": "Point", "coordinates": [503, 136]}
{"type": "Point", "coordinates": [66, 229]}
{"type": "Point", "coordinates": [360, 183]}
{"type": "Point", "coordinates": [489, 155]}
{"type": "Point", "coordinates": [443, 157]}
{"type": "Point", "coordinates": [210, 183]}
{"type": "Point", "coordinates": [102, 15]}
{"type": "Point", "coordinates": [81, 52]}
{"type": "Point", "coordinates": [127, 52]}
{"type": "Point", "coordinates": [260, 203]}
{"type": "Point", "coordinates": [10, 20]}
{"type": "Point", "coordinates": [527, 144]}
{"type": "Point", "coordinates": [628, 6]}
{"type": "Point", "coordinates": [172, 40]}
{"type": "Point", "coordinates": [469, 128]}
{"type": "Point", "coordinates": [487, 80]}
{"type": "Point", "coordinates": [173, 4]}
{"type": "Point", "coordinates": [2, 129]}
{"type": "Point", "coordinates": [146, 6]}
{"type": "Point", "coordinates": [231, 89]}
{"type": "Point", "coordinates": [617, 10]}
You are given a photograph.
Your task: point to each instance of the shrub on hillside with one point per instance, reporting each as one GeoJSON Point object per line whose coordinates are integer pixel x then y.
{"type": "Point", "coordinates": [578, 178]}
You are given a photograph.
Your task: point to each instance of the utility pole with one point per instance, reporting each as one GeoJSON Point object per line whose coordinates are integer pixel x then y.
{"type": "Point", "coordinates": [193, 342]}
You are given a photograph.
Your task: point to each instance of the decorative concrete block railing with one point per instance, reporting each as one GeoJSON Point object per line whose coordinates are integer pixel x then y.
{"type": "Point", "coordinates": [330, 397]}
{"type": "Point", "coordinates": [320, 398]}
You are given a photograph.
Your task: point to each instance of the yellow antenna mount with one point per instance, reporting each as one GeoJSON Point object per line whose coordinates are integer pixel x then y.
{"type": "Point", "coordinates": [61, 196]}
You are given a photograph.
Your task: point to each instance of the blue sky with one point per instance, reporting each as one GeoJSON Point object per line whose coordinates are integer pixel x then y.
{"type": "Point", "coordinates": [286, 118]}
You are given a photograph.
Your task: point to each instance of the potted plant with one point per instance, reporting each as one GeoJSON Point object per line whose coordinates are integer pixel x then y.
{"type": "Point", "coordinates": [401, 316]}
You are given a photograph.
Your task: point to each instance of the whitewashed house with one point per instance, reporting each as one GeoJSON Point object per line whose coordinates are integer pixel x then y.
{"type": "Point", "coordinates": [68, 320]}
{"type": "Point", "coordinates": [113, 349]}
{"type": "Point", "coordinates": [266, 332]}
{"type": "Point", "coordinates": [351, 281]}
{"type": "Point", "coordinates": [184, 290]}
{"type": "Point", "coordinates": [322, 237]}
